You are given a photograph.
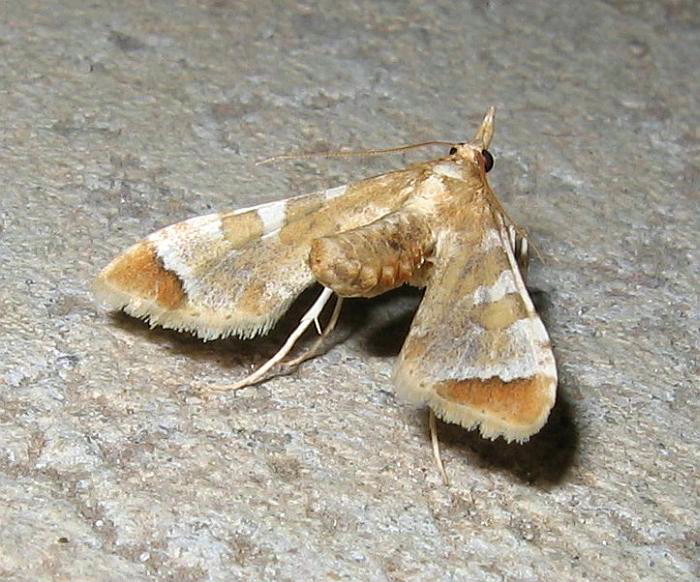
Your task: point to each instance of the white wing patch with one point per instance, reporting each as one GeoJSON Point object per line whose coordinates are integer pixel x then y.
{"type": "Point", "coordinates": [272, 216]}
{"type": "Point", "coordinates": [335, 192]}
{"type": "Point", "coordinates": [490, 293]}
{"type": "Point", "coordinates": [485, 355]}
{"type": "Point", "coordinates": [180, 246]}
{"type": "Point", "coordinates": [449, 169]}
{"type": "Point", "coordinates": [490, 240]}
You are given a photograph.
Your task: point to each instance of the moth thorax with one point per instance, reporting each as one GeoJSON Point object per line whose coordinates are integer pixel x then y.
{"type": "Point", "coordinates": [372, 259]}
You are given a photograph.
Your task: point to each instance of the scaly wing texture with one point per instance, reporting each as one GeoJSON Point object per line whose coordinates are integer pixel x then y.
{"type": "Point", "coordinates": [477, 352]}
{"type": "Point", "coordinates": [236, 273]}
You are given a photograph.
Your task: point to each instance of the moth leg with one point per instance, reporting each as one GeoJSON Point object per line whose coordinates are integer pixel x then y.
{"type": "Point", "coordinates": [517, 240]}
{"type": "Point", "coordinates": [310, 316]}
{"type": "Point", "coordinates": [432, 422]}
{"type": "Point", "coordinates": [314, 349]}
{"type": "Point", "coordinates": [512, 236]}
{"type": "Point", "coordinates": [519, 245]}
{"type": "Point", "coordinates": [522, 256]}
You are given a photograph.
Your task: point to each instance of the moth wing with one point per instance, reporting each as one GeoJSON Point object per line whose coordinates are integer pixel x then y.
{"type": "Point", "coordinates": [236, 273]}
{"type": "Point", "coordinates": [477, 353]}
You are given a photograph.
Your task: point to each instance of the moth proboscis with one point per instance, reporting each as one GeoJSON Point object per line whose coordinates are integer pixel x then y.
{"type": "Point", "coordinates": [477, 353]}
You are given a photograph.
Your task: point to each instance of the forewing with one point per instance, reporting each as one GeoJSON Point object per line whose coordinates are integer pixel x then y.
{"type": "Point", "coordinates": [477, 352]}
{"type": "Point", "coordinates": [236, 273]}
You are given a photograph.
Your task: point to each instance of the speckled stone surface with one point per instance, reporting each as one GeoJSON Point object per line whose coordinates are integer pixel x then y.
{"type": "Point", "coordinates": [118, 118]}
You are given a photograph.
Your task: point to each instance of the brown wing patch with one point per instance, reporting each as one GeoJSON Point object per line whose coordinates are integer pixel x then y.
{"type": "Point", "coordinates": [303, 205]}
{"type": "Point", "coordinates": [253, 301]}
{"type": "Point", "coordinates": [498, 315]}
{"type": "Point", "coordinates": [238, 229]}
{"type": "Point", "coordinates": [140, 273]}
{"type": "Point", "coordinates": [520, 403]}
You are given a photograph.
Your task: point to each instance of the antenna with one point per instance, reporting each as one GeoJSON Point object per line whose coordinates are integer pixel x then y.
{"type": "Point", "coordinates": [347, 154]}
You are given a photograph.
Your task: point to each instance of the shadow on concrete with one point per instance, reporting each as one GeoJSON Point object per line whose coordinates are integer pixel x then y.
{"type": "Point", "coordinates": [233, 352]}
{"type": "Point", "coordinates": [399, 306]}
{"type": "Point", "coordinates": [380, 325]}
{"type": "Point", "coordinates": [543, 461]}
{"type": "Point", "coordinates": [358, 319]}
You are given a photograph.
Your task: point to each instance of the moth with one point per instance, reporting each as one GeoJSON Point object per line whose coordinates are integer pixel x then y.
{"type": "Point", "coordinates": [477, 353]}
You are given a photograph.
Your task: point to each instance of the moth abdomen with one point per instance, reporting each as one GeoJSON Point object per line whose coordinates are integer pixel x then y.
{"type": "Point", "coordinates": [369, 260]}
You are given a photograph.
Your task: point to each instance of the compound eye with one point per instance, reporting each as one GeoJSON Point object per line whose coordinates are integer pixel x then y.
{"type": "Point", "coordinates": [488, 160]}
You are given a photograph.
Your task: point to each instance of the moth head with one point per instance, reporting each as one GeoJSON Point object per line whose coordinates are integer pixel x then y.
{"type": "Point", "coordinates": [482, 159]}
{"type": "Point", "coordinates": [476, 150]}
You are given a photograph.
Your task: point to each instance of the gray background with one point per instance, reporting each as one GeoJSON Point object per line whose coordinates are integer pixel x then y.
{"type": "Point", "coordinates": [119, 118]}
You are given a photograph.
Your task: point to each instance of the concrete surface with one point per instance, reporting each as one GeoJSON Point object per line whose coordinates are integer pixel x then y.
{"type": "Point", "coordinates": [118, 118]}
